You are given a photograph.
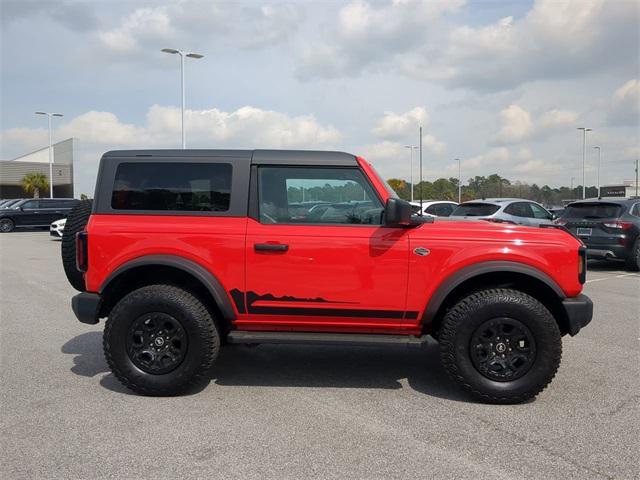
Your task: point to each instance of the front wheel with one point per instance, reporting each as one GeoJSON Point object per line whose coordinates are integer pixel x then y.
{"type": "Point", "coordinates": [6, 225]}
{"type": "Point", "coordinates": [160, 340]}
{"type": "Point", "coordinates": [501, 345]}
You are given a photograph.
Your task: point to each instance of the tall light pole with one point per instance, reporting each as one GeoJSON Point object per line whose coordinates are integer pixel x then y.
{"type": "Point", "coordinates": [572, 179]}
{"type": "Point", "coordinates": [598, 170]}
{"type": "Point", "coordinates": [182, 55]}
{"type": "Point", "coordinates": [49, 116]}
{"type": "Point", "coordinates": [421, 213]}
{"type": "Point", "coordinates": [584, 155]}
{"type": "Point", "coordinates": [411, 149]}
{"type": "Point", "coordinates": [459, 178]}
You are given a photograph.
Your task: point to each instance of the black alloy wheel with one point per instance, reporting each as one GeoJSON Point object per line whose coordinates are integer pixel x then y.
{"type": "Point", "coordinates": [156, 343]}
{"type": "Point", "coordinates": [6, 225]}
{"type": "Point", "coordinates": [502, 349]}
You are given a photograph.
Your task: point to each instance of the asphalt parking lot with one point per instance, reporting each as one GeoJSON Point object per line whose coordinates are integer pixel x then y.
{"type": "Point", "coordinates": [304, 412]}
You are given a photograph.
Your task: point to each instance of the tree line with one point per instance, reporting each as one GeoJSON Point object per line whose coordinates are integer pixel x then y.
{"type": "Point", "coordinates": [488, 187]}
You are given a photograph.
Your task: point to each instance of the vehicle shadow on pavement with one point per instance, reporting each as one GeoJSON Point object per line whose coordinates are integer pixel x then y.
{"type": "Point", "coordinates": [297, 366]}
{"type": "Point", "coordinates": [87, 348]}
{"type": "Point", "coordinates": [336, 367]}
{"type": "Point", "coordinates": [605, 266]}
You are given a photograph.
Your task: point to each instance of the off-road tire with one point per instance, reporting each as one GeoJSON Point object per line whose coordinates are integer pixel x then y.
{"type": "Point", "coordinates": [7, 225]}
{"type": "Point", "coordinates": [76, 222]}
{"type": "Point", "coordinates": [469, 314]}
{"type": "Point", "coordinates": [203, 340]}
{"type": "Point", "coordinates": [633, 262]}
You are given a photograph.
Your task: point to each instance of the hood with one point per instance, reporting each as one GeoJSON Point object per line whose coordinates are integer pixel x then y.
{"type": "Point", "coordinates": [491, 232]}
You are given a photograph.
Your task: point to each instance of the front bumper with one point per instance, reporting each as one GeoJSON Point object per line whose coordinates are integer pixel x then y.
{"type": "Point", "coordinates": [579, 311]}
{"type": "Point", "coordinates": [86, 307]}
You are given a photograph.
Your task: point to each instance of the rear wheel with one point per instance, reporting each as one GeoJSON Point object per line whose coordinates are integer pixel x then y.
{"type": "Point", "coordinates": [76, 222]}
{"type": "Point", "coordinates": [160, 340]}
{"type": "Point", "coordinates": [6, 225]}
{"type": "Point", "coordinates": [633, 262]}
{"type": "Point", "coordinates": [501, 345]}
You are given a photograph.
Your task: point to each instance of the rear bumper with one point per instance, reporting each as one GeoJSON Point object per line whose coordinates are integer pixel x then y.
{"type": "Point", "coordinates": [579, 311]}
{"type": "Point", "coordinates": [607, 252]}
{"type": "Point", "coordinates": [86, 306]}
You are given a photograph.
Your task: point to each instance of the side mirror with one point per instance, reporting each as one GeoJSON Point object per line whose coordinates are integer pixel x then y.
{"type": "Point", "coordinates": [553, 216]}
{"type": "Point", "coordinates": [397, 213]}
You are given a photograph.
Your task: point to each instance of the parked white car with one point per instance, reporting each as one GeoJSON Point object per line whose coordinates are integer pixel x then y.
{"type": "Point", "coordinates": [434, 208]}
{"type": "Point", "coordinates": [56, 228]}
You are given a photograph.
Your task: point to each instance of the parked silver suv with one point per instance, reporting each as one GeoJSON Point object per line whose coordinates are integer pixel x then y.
{"type": "Point", "coordinates": [512, 210]}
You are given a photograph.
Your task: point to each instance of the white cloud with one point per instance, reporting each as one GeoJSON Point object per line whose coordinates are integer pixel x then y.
{"type": "Point", "coordinates": [555, 118]}
{"type": "Point", "coordinates": [553, 40]}
{"type": "Point", "coordinates": [495, 156]}
{"type": "Point", "coordinates": [399, 125]}
{"type": "Point", "coordinates": [144, 24]}
{"type": "Point", "coordinates": [368, 34]}
{"type": "Point", "coordinates": [195, 23]}
{"type": "Point", "coordinates": [535, 167]}
{"type": "Point", "coordinates": [518, 125]}
{"type": "Point", "coordinates": [246, 127]}
{"type": "Point", "coordinates": [625, 104]}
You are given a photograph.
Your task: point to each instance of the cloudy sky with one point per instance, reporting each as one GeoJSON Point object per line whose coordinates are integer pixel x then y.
{"type": "Point", "coordinates": [500, 84]}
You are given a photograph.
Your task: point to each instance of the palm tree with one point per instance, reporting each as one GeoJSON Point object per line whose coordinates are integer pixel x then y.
{"type": "Point", "coordinates": [33, 182]}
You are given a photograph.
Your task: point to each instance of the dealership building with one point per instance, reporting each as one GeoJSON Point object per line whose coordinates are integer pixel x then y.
{"type": "Point", "coordinates": [628, 188]}
{"type": "Point", "coordinates": [13, 171]}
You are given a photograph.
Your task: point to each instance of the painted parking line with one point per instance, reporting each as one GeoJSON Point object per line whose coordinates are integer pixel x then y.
{"type": "Point", "coordinates": [613, 276]}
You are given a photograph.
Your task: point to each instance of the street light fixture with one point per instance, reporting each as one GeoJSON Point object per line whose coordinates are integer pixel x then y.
{"type": "Point", "coordinates": [182, 55]}
{"type": "Point", "coordinates": [584, 154]}
{"type": "Point", "coordinates": [598, 174]}
{"type": "Point", "coordinates": [411, 149]}
{"type": "Point", "coordinates": [49, 116]}
{"type": "Point", "coordinates": [459, 178]}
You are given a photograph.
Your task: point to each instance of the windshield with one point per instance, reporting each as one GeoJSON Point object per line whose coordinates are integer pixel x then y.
{"type": "Point", "coordinates": [475, 210]}
{"type": "Point", "coordinates": [592, 210]}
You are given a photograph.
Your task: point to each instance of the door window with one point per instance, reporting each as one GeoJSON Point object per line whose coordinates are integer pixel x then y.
{"type": "Point", "coordinates": [317, 195]}
{"type": "Point", "coordinates": [440, 209]}
{"type": "Point", "coordinates": [31, 205]}
{"type": "Point", "coordinates": [539, 212]}
{"type": "Point", "coordinates": [519, 209]}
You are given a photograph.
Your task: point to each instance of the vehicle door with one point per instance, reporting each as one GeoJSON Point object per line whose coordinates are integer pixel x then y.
{"type": "Point", "coordinates": [50, 211]}
{"type": "Point", "coordinates": [28, 213]}
{"type": "Point", "coordinates": [336, 267]}
{"type": "Point", "coordinates": [540, 215]}
{"type": "Point", "coordinates": [519, 212]}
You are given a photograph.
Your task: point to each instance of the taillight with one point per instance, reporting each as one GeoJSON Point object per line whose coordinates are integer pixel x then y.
{"type": "Point", "coordinates": [618, 225]}
{"type": "Point", "coordinates": [582, 264]}
{"type": "Point", "coordinates": [82, 251]}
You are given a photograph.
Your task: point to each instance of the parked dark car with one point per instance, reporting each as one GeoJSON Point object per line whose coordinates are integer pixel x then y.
{"type": "Point", "coordinates": [35, 212]}
{"type": "Point", "coordinates": [609, 227]}
{"type": "Point", "coordinates": [10, 203]}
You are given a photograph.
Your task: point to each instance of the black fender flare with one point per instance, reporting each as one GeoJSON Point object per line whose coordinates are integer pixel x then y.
{"type": "Point", "coordinates": [471, 271]}
{"type": "Point", "coordinates": [204, 276]}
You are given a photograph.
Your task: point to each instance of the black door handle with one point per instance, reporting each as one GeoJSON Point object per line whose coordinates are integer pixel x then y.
{"type": "Point", "coordinates": [270, 247]}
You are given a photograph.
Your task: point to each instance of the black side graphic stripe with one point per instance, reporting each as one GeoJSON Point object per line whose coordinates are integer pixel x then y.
{"type": "Point", "coordinates": [327, 312]}
{"type": "Point", "coordinates": [251, 297]}
{"type": "Point", "coordinates": [238, 299]}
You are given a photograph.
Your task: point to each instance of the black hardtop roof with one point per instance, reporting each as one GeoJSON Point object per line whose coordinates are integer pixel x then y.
{"type": "Point", "coordinates": [272, 157]}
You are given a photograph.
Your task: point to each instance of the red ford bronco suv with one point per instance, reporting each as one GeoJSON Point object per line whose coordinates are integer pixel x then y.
{"type": "Point", "coordinates": [186, 250]}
